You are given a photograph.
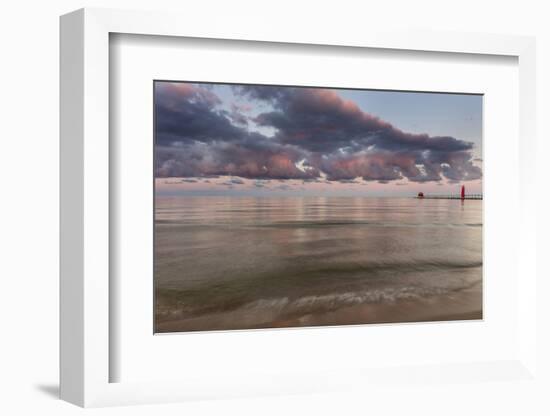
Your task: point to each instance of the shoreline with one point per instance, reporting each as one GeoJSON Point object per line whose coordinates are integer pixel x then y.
{"type": "Point", "coordinates": [457, 306]}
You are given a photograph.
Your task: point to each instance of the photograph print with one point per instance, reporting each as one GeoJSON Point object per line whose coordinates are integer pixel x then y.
{"type": "Point", "coordinates": [289, 206]}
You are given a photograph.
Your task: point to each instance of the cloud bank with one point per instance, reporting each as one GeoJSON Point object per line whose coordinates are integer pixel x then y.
{"type": "Point", "coordinates": [317, 135]}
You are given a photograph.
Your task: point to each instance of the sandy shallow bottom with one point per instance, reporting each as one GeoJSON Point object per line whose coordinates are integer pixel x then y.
{"type": "Point", "coordinates": [466, 305]}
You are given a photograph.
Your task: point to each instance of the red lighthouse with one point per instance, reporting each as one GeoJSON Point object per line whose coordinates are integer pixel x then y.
{"type": "Point", "coordinates": [462, 192]}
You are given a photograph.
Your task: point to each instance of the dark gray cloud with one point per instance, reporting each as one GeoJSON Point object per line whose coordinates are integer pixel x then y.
{"type": "Point", "coordinates": [260, 183]}
{"type": "Point", "coordinates": [316, 133]}
{"type": "Point", "coordinates": [185, 113]}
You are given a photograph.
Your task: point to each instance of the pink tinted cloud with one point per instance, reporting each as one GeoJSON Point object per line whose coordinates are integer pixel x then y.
{"type": "Point", "coordinates": [314, 127]}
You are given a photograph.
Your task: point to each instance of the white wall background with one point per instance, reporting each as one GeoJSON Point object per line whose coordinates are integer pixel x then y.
{"type": "Point", "coordinates": [29, 205]}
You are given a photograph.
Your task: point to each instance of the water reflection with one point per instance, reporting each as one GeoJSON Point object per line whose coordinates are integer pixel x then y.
{"type": "Point", "coordinates": [226, 262]}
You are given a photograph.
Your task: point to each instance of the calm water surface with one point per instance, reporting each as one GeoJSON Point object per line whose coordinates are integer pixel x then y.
{"type": "Point", "coordinates": [239, 262]}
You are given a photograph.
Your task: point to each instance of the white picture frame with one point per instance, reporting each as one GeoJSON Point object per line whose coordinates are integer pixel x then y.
{"type": "Point", "coordinates": [85, 210]}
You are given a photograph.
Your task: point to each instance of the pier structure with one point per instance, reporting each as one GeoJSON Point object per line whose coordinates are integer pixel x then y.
{"type": "Point", "coordinates": [462, 196]}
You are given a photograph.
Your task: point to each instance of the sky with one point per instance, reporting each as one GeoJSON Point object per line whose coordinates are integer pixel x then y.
{"type": "Point", "coordinates": [260, 140]}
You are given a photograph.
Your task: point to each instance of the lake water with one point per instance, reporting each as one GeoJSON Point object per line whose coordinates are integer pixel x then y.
{"type": "Point", "coordinates": [239, 262]}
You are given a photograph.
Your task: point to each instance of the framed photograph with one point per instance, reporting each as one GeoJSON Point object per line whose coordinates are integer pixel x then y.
{"type": "Point", "coordinates": [277, 213]}
{"type": "Point", "coordinates": [292, 206]}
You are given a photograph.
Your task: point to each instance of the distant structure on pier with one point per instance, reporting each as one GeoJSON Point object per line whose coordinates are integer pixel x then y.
{"type": "Point", "coordinates": [462, 195]}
